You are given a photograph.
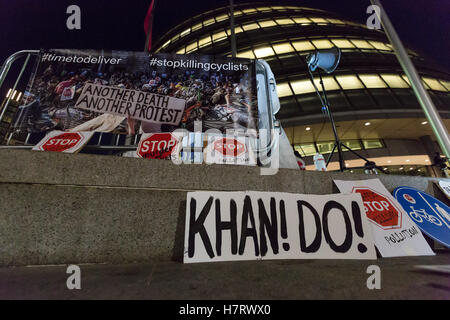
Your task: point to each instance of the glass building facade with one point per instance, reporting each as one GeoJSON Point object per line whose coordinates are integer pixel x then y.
{"type": "Point", "coordinates": [368, 84]}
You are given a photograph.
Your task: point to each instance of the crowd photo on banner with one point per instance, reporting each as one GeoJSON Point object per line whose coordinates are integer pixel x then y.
{"type": "Point", "coordinates": [222, 98]}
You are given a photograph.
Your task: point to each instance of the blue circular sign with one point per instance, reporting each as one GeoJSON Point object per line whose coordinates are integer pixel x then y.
{"type": "Point", "coordinates": [430, 215]}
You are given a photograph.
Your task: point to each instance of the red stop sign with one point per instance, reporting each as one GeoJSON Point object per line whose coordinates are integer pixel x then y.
{"type": "Point", "coordinates": [380, 209]}
{"type": "Point", "coordinates": [157, 146]}
{"type": "Point", "coordinates": [229, 147]}
{"type": "Point", "coordinates": [62, 142]}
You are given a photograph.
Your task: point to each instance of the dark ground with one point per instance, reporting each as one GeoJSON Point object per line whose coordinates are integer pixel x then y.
{"type": "Point", "coordinates": [295, 279]}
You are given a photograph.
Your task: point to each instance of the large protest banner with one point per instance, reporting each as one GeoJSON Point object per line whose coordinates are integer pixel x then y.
{"type": "Point", "coordinates": [125, 92]}
{"type": "Point", "coordinates": [394, 233]}
{"type": "Point", "coordinates": [231, 226]}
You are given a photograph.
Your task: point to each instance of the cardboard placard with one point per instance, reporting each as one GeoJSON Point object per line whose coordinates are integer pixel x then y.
{"type": "Point", "coordinates": [394, 233]}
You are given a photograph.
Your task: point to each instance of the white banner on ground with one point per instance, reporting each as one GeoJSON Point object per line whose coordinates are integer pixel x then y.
{"type": "Point", "coordinates": [394, 233]}
{"type": "Point", "coordinates": [231, 226]}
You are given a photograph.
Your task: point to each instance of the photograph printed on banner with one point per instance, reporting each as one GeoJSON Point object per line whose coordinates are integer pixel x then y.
{"type": "Point", "coordinates": [134, 92]}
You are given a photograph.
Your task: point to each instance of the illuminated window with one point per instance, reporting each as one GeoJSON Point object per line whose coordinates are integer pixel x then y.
{"type": "Point", "coordinates": [349, 82]}
{"type": "Point", "coordinates": [307, 149]}
{"type": "Point", "coordinates": [251, 26]}
{"type": "Point", "coordinates": [236, 30]}
{"type": "Point", "coordinates": [362, 44]}
{"type": "Point", "coordinates": [249, 10]}
{"type": "Point", "coordinates": [446, 84]}
{"type": "Point", "coordinates": [197, 27]}
{"type": "Point", "coordinates": [303, 46]}
{"type": "Point", "coordinates": [323, 44]}
{"type": "Point", "coordinates": [284, 21]}
{"type": "Point", "coordinates": [209, 22]}
{"type": "Point", "coordinates": [325, 147]}
{"type": "Point", "coordinates": [279, 8]}
{"type": "Point", "coordinates": [434, 84]}
{"type": "Point", "coordinates": [191, 47]}
{"type": "Point", "coordinates": [204, 41]}
{"type": "Point", "coordinates": [283, 48]}
{"type": "Point", "coordinates": [380, 45]}
{"type": "Point", "coordinates": [181, 51]}
{"type": "Point", "coordinates": [302, 87]}
{"type": "Point", "coordinates": [336, 21]}
{"type": "Point", "coordinates": [246, 54]}
{"type": "Point", "coordinates": [394, 81]}
{"type": "Point", "coordinates": [302, 21]}
{"type": "Point", "coordinates": [343, 43]}
{"type": "Point", "coordinates": [409, 83]}
{"type": "Point", "coordinates": [284, 90]}
{"type": "Point", "coordinates": [238, 13]}
{"type": "Point", "coordinates": [264, 52]}
{"type": "Point", "coordinates": [267, 23]}
{"type": "Point", "coordinates": [328, 82]}
{"type": "Point", "coordinates": [219, 36]}
{"type": "Point", "coordinates": [165, 44]}
{"type": "Point", "coordinates": [373, 81]}
{"type": "Point", "coordinates": [222, 17]}
{"type": "Point", "coordinates": [264, 9]}
{"type": "Point", "coordinates": [372, 144]}
{"type": "Point", "coordinates": [319, 20]}
{"type": "Point", "coordinates": [185, 32]}
{"type": "Point", "coordinates": [352, 144]}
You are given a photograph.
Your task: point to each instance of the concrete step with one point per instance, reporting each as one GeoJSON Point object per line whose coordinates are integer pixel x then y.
{"type": "Point", "coordinates": [60, 208]}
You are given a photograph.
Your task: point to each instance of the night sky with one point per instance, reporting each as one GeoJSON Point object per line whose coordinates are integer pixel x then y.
{"type": "Point", "coordinates": [423, 25]}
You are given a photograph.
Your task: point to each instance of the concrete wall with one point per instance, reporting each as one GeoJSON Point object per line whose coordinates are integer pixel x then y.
{"type": "Point", "coordinates": [59, 208]}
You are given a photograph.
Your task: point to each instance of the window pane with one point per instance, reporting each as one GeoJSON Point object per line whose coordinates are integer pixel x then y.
{"type": "Point", "coordinates": [284, 21]}
{"type": "Point", "coordinates": [219, 36]}
{"type": "Point", "coordinates": [318, 20]}
{"type": "Point", "coordinates": [267, 23]}
{"type": "Point", "coordinates": [323, 44]}
{"type": "Point", "coordinates": [342, 43]}
{"type": "Point", "coordinates": [209, 22]}
{"type": "Point", "coordinates": [181, 51]}
{"type": "Point", "coordinates": [349, 82]}
{"type": "Point", "coordinates": [394, 81]}
{"type": "Point", "coordinates": [196, 27]}
{"type": "Point", "coordinates": [185, 32]}
{"type": "Point", "coordinates": [250, 26]}
{"type": "Point", "coordinates": [328, 82]}
{"type": "Point", "coordinates": [352, 144]}
{"type": "Point", "coordinates": [222, 17]}
{"type": "Point", "coordinates": [325, 147]}
{"type": "Point", "coordinates": [249, 10]}
{"type": "Point", "coordinates": [165, 44]}
{"type": "Point", "coordinates": [434, 84]}
{"type": "Point", "coordinates": [336, 21]}
{"type": "Point", "coordinates": [362, 44]}
{"type": "Point", "coordinates": [446, 84]}
{"type": "Point", "coordinates": [303, 46]}
{"type": "Point", "coordinates": [191, 47]}
{"type": "Point", "coordinates": [246, 54]}
{"type": "Point", "coordinates": [302, 86]}
{"type": "Point", "coordinates": [283, 90]}
{"type": "Point", "coordinates": [302, 20]}
{"type": "Point", "coordinates": [264, 52]}
{"type": "Point", "coordinates": [306, 149]}
{"type": "Point", "coordinates": [380, 45]}
{"type": "Point", "coordinates": [372, 144]}
{"type": "Point", "coordinates": [264, 9]}
{"type": "Point", "coordinates": [204, 41]}
{"type": "Point", "coordinates": [283, 48]}
{"type": "Point", "coordinates": [373, 81]}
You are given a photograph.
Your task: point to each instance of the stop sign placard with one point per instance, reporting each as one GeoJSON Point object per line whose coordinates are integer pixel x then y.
{"type": "Point", "coordinates": [380, 209]}
{"type": "Point", "coordinates": [229, 147]}
{"type": "Point", "coordinates": [59, 141]}
{"type": "Point", "coordinates": [157, 146]}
